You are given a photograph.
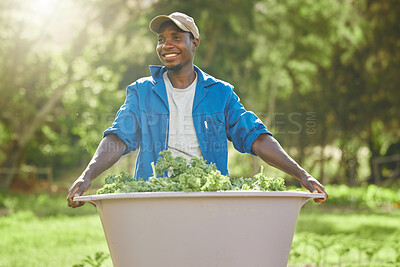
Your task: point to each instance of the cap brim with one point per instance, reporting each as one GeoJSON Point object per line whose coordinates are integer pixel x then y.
{"type": "Point", "coordinates": [156, 23]}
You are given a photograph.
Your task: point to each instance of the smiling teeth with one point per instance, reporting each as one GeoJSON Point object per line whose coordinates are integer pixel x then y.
{"type": "Point", "coordinates": [171, 55]}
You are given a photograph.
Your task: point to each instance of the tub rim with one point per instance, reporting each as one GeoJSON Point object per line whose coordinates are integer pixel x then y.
{"type": "Point", "coordinates": [197, 194]}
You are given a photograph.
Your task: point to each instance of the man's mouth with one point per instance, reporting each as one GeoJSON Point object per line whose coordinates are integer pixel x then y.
{"type": "Point", "coordinates": [170, 55]}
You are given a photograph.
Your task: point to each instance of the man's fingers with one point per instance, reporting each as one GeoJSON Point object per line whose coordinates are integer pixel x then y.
{"type": "Point", "coordinates": [320, 189]}
{"type": "Point", "coordinates": [77, 189]}
{"type": "Point", "coordinates": [80, 191]}
{"type": "Point", "coordinates": [307, 185]}
{"type": "Point", "coordinates": [71, 194]}
{"type": "Point", "coordinates": [314, 186]}
{"type": "Point", "coordinates": [79, 204]}
{"type": "Point", "coordinates": [72, 191]}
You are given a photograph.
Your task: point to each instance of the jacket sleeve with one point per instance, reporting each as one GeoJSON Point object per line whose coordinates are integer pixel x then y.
{"type": "Point", "coordinates": [243, 127]}
{"type": "Point", "coordinates": [127, 121]}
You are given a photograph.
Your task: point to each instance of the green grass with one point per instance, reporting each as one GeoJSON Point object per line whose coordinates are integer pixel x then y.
{"type": "Point", "coordinates": [27, 240]}
{"type": "Point", "coordinates": [341, 237]}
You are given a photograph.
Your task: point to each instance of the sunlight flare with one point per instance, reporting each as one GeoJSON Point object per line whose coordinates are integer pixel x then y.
{"type": "Point", "coordinates": [44, 7]}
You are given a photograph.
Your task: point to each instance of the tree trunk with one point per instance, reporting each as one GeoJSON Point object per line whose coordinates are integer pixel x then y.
{"type": "Point", "coordinates": [375, 173]}
{"type": "Point", "coordinates": [322, 175]}
{"type": "Point", "coordinates": [322, 155]}
{"type": "Point", "coordinates": [271, 103]}
{"type": "Point", "coordinates": [11, 165]}
{"type": "Point", "coordinates": [15, 152]}
{"type": "Point", "coordinates": [211, 46]}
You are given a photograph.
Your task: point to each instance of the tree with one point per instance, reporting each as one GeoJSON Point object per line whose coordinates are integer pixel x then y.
{"type": "Point", "coordinates": [55, 99]}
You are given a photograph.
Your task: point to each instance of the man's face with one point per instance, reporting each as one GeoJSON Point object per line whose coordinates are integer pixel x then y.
{"type": "Point", "coordinates": [175, 48]}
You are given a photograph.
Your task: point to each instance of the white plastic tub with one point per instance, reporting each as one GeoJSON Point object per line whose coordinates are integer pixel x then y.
{"type": "Point", "coordinates": [204, 229]}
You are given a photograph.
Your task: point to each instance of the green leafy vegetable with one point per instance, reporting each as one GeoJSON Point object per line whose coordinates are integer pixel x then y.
{"type": "Point", "coordinates": [175, 174]}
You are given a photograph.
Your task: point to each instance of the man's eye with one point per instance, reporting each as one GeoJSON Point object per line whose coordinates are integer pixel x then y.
{"type": "Point", "coordinates": [160, 40]}
{"type": "Point", "coordinates": [177, 38]}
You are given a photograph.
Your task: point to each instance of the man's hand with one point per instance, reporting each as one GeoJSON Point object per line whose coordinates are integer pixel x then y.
{"type": "Point", "coordinates": [78, 188]}
{"type": "Point", "coordinates": [269, 150]}
{"type": "Point", "coordinates": [108, 152]}
{"type": "Point", "coordinates": [312, 185]}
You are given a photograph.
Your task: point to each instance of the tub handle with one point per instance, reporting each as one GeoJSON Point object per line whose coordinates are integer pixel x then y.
{"type": "Point", "coordinates": [92, 202]}
{"type": "Point", "coordinates": [304, 200]}
{"type": "Point", "coordinates": [313, 195]}
{"type": "Point", "coordinates": [97, 205]}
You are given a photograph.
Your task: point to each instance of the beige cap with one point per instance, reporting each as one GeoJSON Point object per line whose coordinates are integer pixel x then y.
{"type": "Point", "coordinates": [183, 21]}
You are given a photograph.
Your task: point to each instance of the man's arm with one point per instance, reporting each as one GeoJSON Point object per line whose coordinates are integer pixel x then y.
{"type": "Point", "coordinates": [269, 150]}
{"type": "Point", "coordinates": [108, 152]}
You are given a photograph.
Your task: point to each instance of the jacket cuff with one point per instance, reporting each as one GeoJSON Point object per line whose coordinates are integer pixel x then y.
{"type": "Point", "coordinates": [253, 137]}
{"type": "Point", "coordinates": [129, 146]}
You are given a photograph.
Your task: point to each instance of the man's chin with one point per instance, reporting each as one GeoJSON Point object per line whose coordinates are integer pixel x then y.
{"type": "Point", "coordinates": [173, 67]}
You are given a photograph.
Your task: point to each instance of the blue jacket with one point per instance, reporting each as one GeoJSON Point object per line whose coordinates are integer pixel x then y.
{"type": "Point", "coordinates": [143, 120]}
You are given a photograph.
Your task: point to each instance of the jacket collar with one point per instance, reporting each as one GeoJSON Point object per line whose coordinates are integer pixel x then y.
{"type": "Point", "coordinates": [159, 85]}
{"type": "Point", "coordinates": [203, 79]}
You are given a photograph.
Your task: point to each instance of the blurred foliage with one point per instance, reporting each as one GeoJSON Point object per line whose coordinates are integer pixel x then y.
{"type": "Point", "coordinates": [343, 239]}
{"type": "Point", "coordinates": [318, 73]}
{"type": "Point", "coordinates": [364, 197]}
{"type": "Point", "coordinates": [41, 205]}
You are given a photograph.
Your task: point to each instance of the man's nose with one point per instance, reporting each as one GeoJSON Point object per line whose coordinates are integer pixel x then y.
{"type": "Point", "coordinates": [168, 43]}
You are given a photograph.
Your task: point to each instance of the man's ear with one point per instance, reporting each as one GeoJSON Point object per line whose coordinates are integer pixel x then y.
{"type": "Point", "coordinates": [196, 43]}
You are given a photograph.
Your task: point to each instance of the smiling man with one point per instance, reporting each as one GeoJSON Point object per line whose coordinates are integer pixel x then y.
{"type": "Point", "coordinates": [183, 109]}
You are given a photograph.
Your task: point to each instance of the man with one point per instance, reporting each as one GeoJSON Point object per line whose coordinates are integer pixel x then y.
{"type": "Point", "coordinates": [184, 110]}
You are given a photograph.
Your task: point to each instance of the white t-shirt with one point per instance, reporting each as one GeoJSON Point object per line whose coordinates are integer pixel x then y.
{"type": "Point", "coordinates": [182, 139]}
